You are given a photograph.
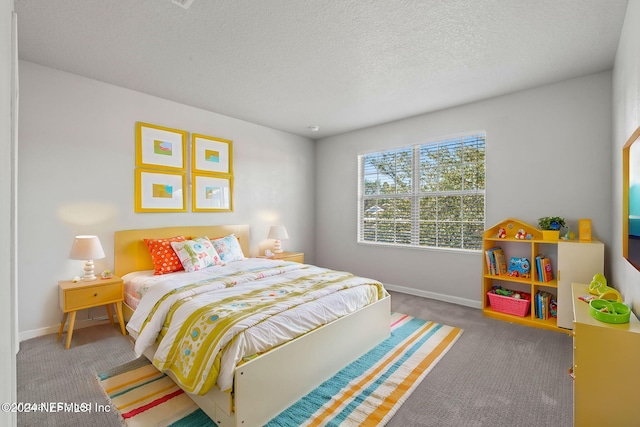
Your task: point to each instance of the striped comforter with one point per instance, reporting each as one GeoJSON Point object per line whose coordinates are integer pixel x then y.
{"type": "Point", "coordinates": [206, 323]}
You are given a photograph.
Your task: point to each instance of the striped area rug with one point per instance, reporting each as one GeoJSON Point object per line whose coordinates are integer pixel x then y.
{"type": "Point", "coordinates": [146, 397]}
{"type": "Point", "coordinates": [365, 393]}
{"type": "Point", "coordinates": [370, 390]}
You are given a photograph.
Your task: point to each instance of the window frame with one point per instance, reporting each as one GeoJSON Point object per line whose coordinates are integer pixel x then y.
{"type": "Point", "coordinates": [416, 194]}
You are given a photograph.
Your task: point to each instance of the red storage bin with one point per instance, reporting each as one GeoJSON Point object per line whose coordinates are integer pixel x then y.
{"type": "Point", "coordinates": [509, 305]}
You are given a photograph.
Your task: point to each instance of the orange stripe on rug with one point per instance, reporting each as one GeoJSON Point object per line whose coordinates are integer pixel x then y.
{"type": "Point", "coordinates": [141, 379]}
{"type": "Point", "coordinates": [377, 416]}
{"type": "Point", "coordinates": [358, 386]}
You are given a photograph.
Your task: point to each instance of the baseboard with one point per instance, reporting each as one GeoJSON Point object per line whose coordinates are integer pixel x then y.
{"type": "Point", "coordinates": [35, 333]}
{"type": "Point", "coordinates": [433, 295]}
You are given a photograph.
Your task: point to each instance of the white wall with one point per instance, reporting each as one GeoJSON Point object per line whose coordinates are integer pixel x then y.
{"type": "Point", "coordinates": [76, 176]}
{"type": "Point", "coordinates": [548, 153]}
{"type": "Point", "coordinates": [7, 217]}
{"type": "Point", "coordinates": [626, 114]}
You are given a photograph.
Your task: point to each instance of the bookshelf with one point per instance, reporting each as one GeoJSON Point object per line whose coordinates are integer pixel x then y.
{"type": "Point", "coordinates": [571, 261]}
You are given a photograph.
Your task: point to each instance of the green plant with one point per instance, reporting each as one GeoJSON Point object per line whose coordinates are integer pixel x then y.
{"type": "Point", "coordinates": [551, 223]}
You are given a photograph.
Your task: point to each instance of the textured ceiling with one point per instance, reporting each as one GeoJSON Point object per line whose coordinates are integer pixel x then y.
{"type": "Point", "coordinates": [337, 64]}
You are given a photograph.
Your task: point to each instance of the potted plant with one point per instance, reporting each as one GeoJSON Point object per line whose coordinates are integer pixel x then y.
{"type": "Point", "coordinates": [550, 226]}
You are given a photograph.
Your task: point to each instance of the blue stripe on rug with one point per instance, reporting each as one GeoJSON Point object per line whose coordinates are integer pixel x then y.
{"type": "Point", "coordinates": [195, 419]}
{"type": "Point", "coordinates": [300, 411]}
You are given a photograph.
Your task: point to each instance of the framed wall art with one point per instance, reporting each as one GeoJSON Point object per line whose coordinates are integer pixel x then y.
{"type": "Point", "coordinates": [211, 155]}
{"type": "Point", "coordinates": [160, 147]}
{"type": "Point", "coordinates": [160, 191]}
{"type": "Point", "coordinates": [211, 193]}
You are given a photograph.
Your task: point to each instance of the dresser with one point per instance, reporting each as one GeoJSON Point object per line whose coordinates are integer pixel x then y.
{"type": "Point", "coordinates": [606, 368]}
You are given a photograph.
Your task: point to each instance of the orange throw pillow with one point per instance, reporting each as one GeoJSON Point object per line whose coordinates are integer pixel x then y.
{"type": "Point", "coordinates": [165, 259]}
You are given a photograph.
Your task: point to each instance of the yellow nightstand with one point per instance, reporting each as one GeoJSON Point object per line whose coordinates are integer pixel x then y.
{"type": "Point", "coordinates": [80, 295]}
{"type": "Point", "coordinates": [290, 256]}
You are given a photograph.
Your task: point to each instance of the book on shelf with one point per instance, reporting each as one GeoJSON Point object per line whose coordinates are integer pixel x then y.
{"type": "Point", "coordinates": [542, 302]}
{"type": "Point", "coordinates": [544, 271]}
{"type": "Point", "coordinates": [501, 261]}
{"type": "Point", "coordinates": [538, 305]}
{"type": "Point", "coordinates": [487, 255]}
{"type": "Point", "coordinates": [538, 269]}
{"type": "Point", "coordinates": [538, 300]}
{"type": "Point", "coordinates": [496, 261]}
{"type": "Point", "coordinates": [491, 261]}
{"type": "Point", "coordinates": [547, 270]}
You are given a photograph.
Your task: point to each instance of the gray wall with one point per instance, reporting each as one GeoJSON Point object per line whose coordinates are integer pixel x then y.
{"type": "Point", "coordinates": [76, 176]}
{"type": "Point", "coordinates": [626, 113]}
{"type": "Point", "coordinates": [548, 153]}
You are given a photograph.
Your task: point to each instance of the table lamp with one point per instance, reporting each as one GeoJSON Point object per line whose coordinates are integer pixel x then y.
{"type": "Point", "coordinates": [87, 248]}
{"type": "Point", "coordinates": [278, 232]}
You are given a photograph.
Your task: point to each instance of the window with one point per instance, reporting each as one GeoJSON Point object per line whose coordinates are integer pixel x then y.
{"type": "Point", "coordinates": [429, 195]}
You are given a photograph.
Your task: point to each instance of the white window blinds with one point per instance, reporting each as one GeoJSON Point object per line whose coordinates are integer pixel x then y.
{"type": "Point", "coordinates": [424, 195]}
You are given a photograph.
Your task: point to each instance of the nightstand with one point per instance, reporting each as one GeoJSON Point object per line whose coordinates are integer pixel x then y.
{"type": "Point", "coordinates": [290, 256]}
{"type": "Point", "coordinates": [80, 295]}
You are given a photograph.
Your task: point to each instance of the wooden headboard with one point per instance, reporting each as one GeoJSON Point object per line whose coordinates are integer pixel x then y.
{"type": "Point", "coordinates": [131, 253]}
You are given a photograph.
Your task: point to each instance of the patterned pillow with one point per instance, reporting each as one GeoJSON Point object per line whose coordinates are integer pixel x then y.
{"type": "Point", "coordinates": [163, 256]}
{"type": "Point", "coordinates": [196, 254]}
{"type": "Point", "coordinates": [228, 248]}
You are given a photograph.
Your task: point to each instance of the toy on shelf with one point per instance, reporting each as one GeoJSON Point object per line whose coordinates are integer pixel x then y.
{"type": "Point", "coordinates": [553, 307]}
{"type": "Point", "coordinates": [519, 267]}
{"type": "Point", "coordinates": [513, 229]}
{"type": "Point", "coordinates": [569, 235]}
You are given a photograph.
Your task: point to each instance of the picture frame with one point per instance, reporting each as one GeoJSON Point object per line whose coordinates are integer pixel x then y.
{"type": "Point", "coordinates": [160, 191]}
{"type": "Point", "coordinates": [211, 193]}
{"type": "Point", "coordinates": [160, 147]}
{"type": "Point", "coordinates": [211, 155]}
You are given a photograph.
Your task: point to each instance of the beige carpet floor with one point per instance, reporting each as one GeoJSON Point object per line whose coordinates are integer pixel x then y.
{"type": "Point", "coordinates": [498, 374]}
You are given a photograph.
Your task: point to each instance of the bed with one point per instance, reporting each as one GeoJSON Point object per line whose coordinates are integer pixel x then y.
{"type": "Point", "coordinates": [264, 385]}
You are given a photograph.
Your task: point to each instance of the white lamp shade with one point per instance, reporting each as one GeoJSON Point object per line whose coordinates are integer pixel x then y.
{"type": "Point", "coordinates": [278, 232]}
{"type": "Point", "coordinates": [86, 248]}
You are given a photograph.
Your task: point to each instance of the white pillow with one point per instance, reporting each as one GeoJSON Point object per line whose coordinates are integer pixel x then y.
{"type": "Point", "coordinates": [196, 254]}
{"type": "Point", "coordinates": [229, 248]}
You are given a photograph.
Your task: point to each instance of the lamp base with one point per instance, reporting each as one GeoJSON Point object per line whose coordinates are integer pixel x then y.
{"type": "Point", "coordinates": [277, 247]}
{"type": "Point", "coordinates": [88, 271]}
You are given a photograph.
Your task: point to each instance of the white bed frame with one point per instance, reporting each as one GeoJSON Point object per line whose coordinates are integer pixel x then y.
{"type": "Point", "coordinates": [268, 384]}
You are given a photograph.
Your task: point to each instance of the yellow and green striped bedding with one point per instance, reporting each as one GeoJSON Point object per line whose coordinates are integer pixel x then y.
{"type": "Point", "coordinates": [206, 326]}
